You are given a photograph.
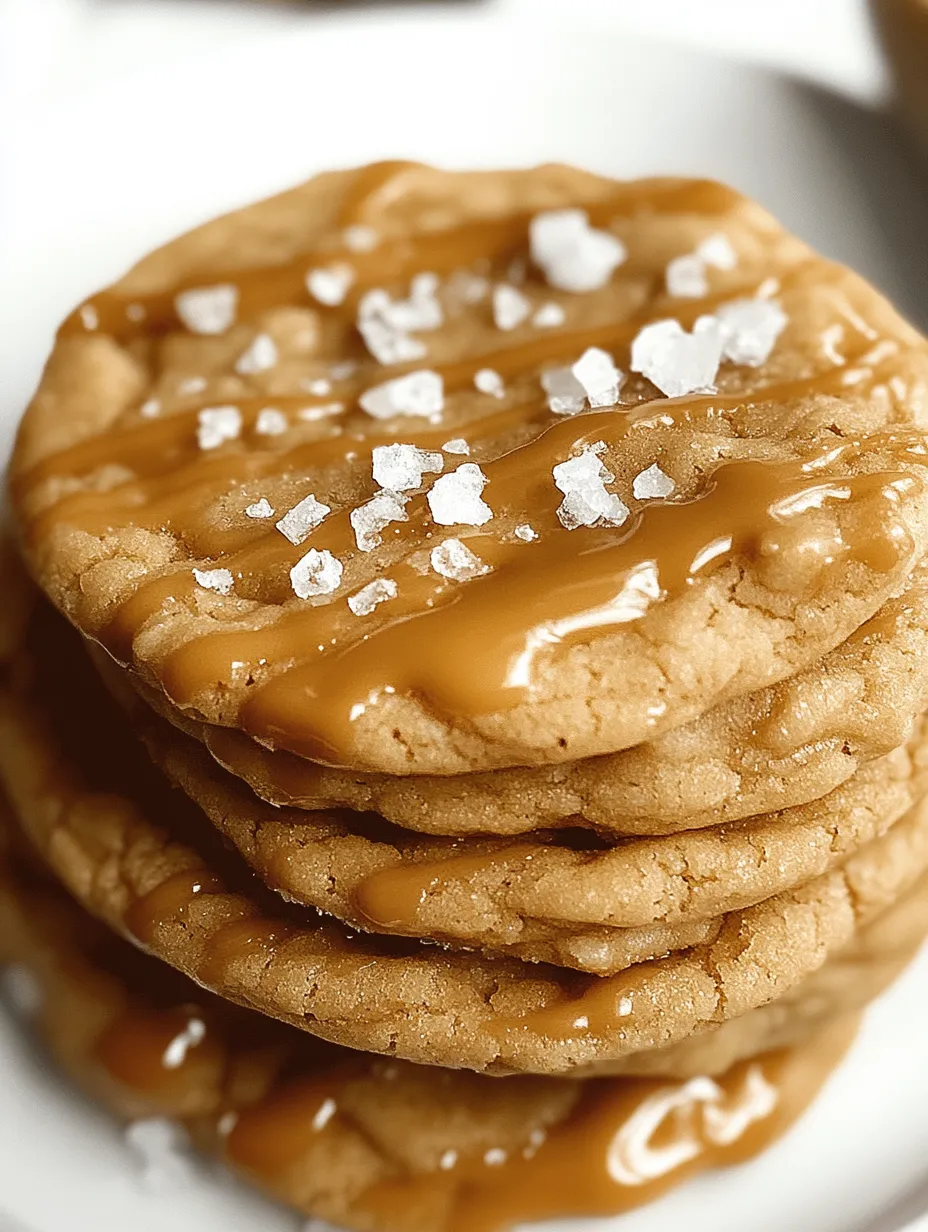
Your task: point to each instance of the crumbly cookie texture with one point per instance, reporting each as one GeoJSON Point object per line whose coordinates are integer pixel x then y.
{"type": "Point", "coordinates": [131, 852]}
{"type": "Point", "coordinates": [737, 450]}
{"type": "Point", "coordinates": [763, 752]}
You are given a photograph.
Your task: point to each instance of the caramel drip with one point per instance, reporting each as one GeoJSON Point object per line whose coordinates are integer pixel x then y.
{"type": "Point", "coordinates": [161, 1054]}
{"type": "Point", "coordinates": [442, 251]}
{"type": "Point", "coordinates": [169, 902]}
{"type": "Point", "coordinates": [627, 1142]}
{"type": "Point", "coordinates": [548, 593]}
{"type": "Point", "coordinates": [392, 897]}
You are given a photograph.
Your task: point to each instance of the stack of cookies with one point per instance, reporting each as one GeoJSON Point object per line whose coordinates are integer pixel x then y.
{"type": "Point", "coordinates": [485, 670]}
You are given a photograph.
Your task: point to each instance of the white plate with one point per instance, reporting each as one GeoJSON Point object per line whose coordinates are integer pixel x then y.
{"type": "Point", "coordinates": [127, 163]}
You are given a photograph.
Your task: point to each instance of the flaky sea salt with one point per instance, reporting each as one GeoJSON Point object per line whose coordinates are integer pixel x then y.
{"type": "Point", "coordinates": [525, 532]}
{"type": "Point", "coordinates": [369, 519]}
{"type": "Point", "coordinates": [208, 310]}
{"type": "Point", "coordinates": [191, 385]}
{"type": "Point", "coordinates": [360, 238]}
{"type": "Point", "coordinates": [447, 1160]}
{"type": "Point", "coordinates": [387, 325]}
{"type": "Point", "coordinates": [367, 598]}
{"type": "Point", "coordinates": [316, 573]}
{"type": "Point", "coordinates": [318, 386]}
{"type": "Point", "coordinates": [652, 484]}
{"type": "Point", "coordinates": [593, 379]}
{"type": "Point", "coordinates": [750, 328]}
{"type": "Point", "coordinates": [401, 467]}
{"type": "Point", "coordinates": [418, 393]}
{"type": "Point", "coordinates": [687, 276]}
{"type": "Point", "coordinates": [260, 509]}
{"type": "Point", "coordinates": [510, 307]}
{"type": "Point", "coordinates": [90, 318]}
{"type": "Point", "coordinates": [678, 362]}
{"type": "Point", "coordinates": [495, 1157]}
{"type": "Point", "coordinates": [573, 255]}
{"type": "Point", "coordinates": [150, 408]}
{"type": "Point", "coordinates": [456, 445]}
{"type": "Point", "coordinates": [161, 1149]}
{"type": "Point", "coordinates": [219, 580]}
{"type": "Point", "coordinates": [218, 424]}
{"type": "Point", "coordinates": [489, 381]}
{"type": "Point", "coordinates": [271, 422]}
{"type": "Point", "coordinates": [176, 1052]}
{"type": "Point", "coordinates": [259, 357]}
{"type": "Point", "coordinates": [304, 517]}
{"type": "Point", "coordinates": [586, 501]}
{"type": "Point", "coordinates": [549, 316]}
{"type": "Point", "coordinates": [454, 559]}
{"type": "Point", "coordinates": [330, 284]}
{"type": "Point", "coordinates": [455, 499]}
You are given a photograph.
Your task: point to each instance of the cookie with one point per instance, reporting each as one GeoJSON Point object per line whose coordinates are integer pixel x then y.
{"type": "Point", "coordinates": [552, 898]}
{"type": "Point", "coordinates": [142, 859]}
{"type": "Point", "coordinates": [578, 549]}
{"type": "Point", "coordinates": [380, 1146]}
{"type": "Point", "coordinates": [786, 745]}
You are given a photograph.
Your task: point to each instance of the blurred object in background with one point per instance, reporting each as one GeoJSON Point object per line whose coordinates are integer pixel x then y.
{"type": "Point", "coordinates": [903, 27]}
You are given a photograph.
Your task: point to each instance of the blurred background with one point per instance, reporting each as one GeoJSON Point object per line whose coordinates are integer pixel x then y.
{"type": "Point", "coordinates": [125, 121]}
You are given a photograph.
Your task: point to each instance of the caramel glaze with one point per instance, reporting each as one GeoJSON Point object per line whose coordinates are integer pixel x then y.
{"type": "Point", "coordinates": [316, 668]}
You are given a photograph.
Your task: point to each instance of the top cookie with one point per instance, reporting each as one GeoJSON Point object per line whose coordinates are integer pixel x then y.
{"type": "Point", "coordinates": [426, 473]}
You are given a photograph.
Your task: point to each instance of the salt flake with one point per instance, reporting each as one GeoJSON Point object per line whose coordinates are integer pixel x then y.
{"type": "Point", "coordinates": [218, 424]}
{"type": "Point", "coordinates": [418, 393]}
{"type": "Point", "coordinates": [510, 307]}
{"type": "Point", "coordinates": [271, 422]}
{"type": "Point", "coordinates": [316, 573]}
{"type": "Point", "coordinates": [359, 238]}
{"type": "Point", "coordinates": [304, 517]}
{"type": "Point", "coordinates": [208, 310]}
{"type": "Point", "coordinates": [593, 379]}
{"type": "Point", "coordinates": [401, 467]}
{"type": "Point", "coordinates": [454, 559]}
{"type": "Point", "coordinates": [586, 502]}
{"type": "Point", "coordinates": [219, 580]}
{"type": "Point", "coordinates": [369, 519]}
{"type": "Point", "coordinates": [750, 328]}
{"type": "Point", "coordinates": [259, 357]}
{"type": "Point", "coordinates": [260, 509]}
{"type": "Point", "coordinates": [677, 362]}
{"type": "Point", "coordinates": [386, 325]}
{"type": "Point", "coordinates": [455, 499]}
{"type": "Point", "coordinates": [549, 316]}
{"type": "Point", "coordinates": [330, 285]}
{"type": "Point", "coordinates": [525, 532]}
{"type": "Point", "coordinates": [489, 381]}
{"type": "Point", "coordinates": [456, 445]}
{"type": "Point", "coordinates": [652, 484]}
{"type": "Point", "coordinates": [573, 255]}
{"type": "Point", "coordinates": [367, 598]}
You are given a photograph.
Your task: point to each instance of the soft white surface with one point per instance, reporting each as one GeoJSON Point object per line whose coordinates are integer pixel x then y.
{"type": "Point", "coordinates": [98, 173]}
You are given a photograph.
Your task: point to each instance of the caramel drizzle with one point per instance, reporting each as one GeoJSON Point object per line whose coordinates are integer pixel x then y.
{"type": "Point", "coordinates": [625, 1142]}
{"type": "Point", "coordinates": [317, 667]}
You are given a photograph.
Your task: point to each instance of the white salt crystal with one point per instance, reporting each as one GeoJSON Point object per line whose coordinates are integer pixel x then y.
{"type": "Point", "coordinates": [525, 532]}
{"type": "Point", "coordinates": [686, 277]}
{"type": "Point", "coordinates": [369, 519]}
{"type": "Point", "coordinates": [219, 580]}
{"type": "Point", "coordinates": [191, 385]}
{"type": "Point", "coordinates": [401, 467]}
{"type": "Point", "coordinates": [510, 307]}
{"type": "Point", "coordinates": [495, 1157]}
{"type": "Point", "coordinates": [573, 255]}
{"type": "Point", "coordinates": [359, 238]}
{"type": "Point", "coordinates": [456, 445]}
{"type": "Point", "coordinates": [750, 329]}
{"type": "Point", "coordinates": [330, 284]}
{"type": "Point", "coordinates": [652, 484]}
{"type": "Point", "coordinates": [271, 422]}
{"type": "Point", "coordinates": [304, 517]}
{"type": "Point", "coordinates": [418, 393]}
{"type": "Point", "coordinates": [386, 325]}
{"type": "Point", "coordinates": [455, 499]}
{"type": "Point", "coordinates": [593, 379]}
{"type": "Point", "coordinates": [717, 250]}
{"type": "Point", "coordinates": [260, 509]}
{"type": "Point", "coordinates": [586, 502]}
{"type": "Point", "coordinates": [218, 424]}
{"type": "Point", "coordinates": [150, 409]}
{"type": "Point", "coordinates": [261, 355]}
{"type": "Point", "coordinates": [90, 318]}
{"type": "Point", "coordinates": [448, 1160]}
{"type": "Point", "coordinates": [454, 559]}
{"type": "Point", "coordinates": [489, 381]}
{"type": "Point", "coordinates": [316, 573]}
{"type": "Point", "coordinates": [319, 386]}
{"type": "Point", "coordinates": [676, 362]}
{"type": "Point", "coordinates": [549, 316]}
{"type": "Point", "coordinates": [208, 310]}
{"type": "Point", "coordinates": [367, 598]}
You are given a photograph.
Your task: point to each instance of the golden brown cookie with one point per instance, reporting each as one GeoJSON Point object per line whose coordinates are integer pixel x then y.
{"type": "Point", "coordinates": [603, 563]}
{"type": "Point", "coordinates": [789, 744]}
{"type": "Point", "coordinates": [141, 858]}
